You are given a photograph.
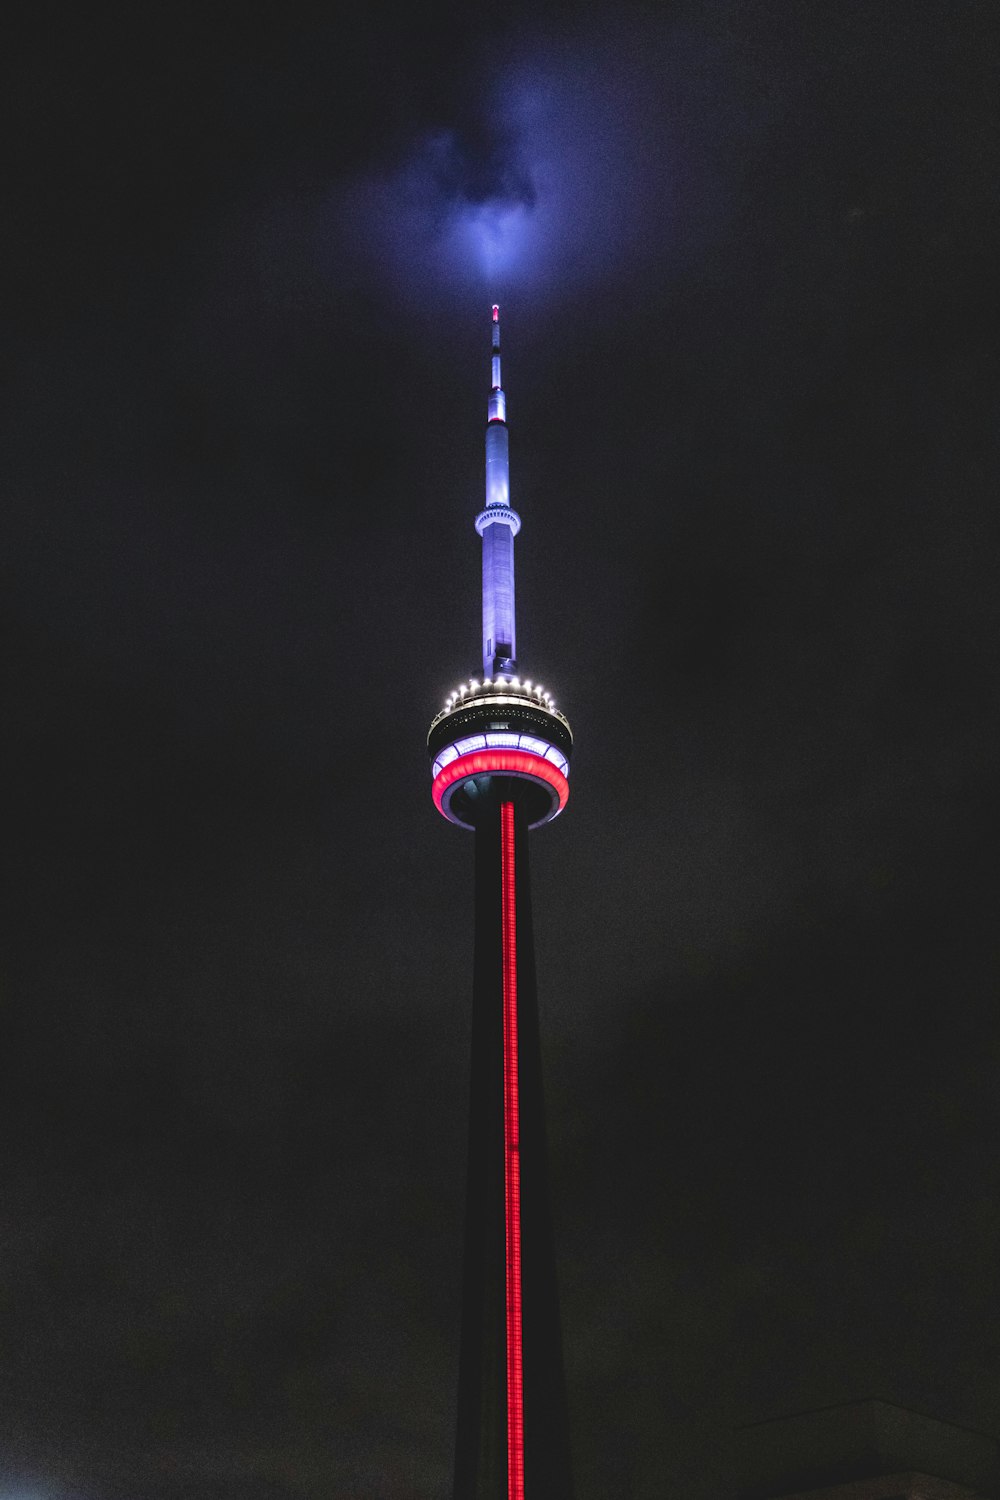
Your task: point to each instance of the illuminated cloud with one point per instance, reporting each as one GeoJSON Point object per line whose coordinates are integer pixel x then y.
{"type": "Point", "coordinates": [559, 173]}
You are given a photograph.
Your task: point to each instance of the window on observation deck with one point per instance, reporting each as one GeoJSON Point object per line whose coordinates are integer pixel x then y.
{"type": "Point", "coordinates": [474, 742]}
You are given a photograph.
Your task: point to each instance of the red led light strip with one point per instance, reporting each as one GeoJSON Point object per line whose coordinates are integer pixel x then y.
{"type": "Point", "coordinates": [514, 762]}
{"type": "Point", "coordinates": [511, 1159]}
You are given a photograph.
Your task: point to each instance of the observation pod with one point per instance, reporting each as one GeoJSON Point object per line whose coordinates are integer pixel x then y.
{"type": "Point", "coordinates": [500, 729]}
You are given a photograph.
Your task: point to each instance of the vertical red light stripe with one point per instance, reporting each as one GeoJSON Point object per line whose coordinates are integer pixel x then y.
{"type": "Point", "coordinates": [512, 1159]}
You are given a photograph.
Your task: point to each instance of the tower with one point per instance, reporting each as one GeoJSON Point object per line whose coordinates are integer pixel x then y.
{"type": "Point", "coordinates": [500, 753]}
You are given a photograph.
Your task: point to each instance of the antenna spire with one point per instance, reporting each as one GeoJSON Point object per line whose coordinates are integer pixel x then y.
{"type": "Point", "coordinates": [498, 525]}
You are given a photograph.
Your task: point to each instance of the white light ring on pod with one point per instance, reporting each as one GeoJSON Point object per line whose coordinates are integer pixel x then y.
{"type": "Point", "coordinates": [506, 739]}
{"type": "Point", "coordinates": [498, 762]}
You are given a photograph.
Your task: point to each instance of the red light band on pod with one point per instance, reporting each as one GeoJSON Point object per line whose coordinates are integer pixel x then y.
{"type": "Point", "coordinates": [512, 1159]}
{"type": "Point", "coordinates": [514, 762]}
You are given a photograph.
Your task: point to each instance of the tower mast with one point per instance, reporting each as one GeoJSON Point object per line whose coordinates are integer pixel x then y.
{"type": "Point", "coordinates": [500, 754]}
{"type": "Point", "coordinates": [498, 525]}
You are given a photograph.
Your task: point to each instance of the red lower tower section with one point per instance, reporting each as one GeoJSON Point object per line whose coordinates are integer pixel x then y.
{"type": "Point", "coordinates": [512, 1439]}
{"type": "Point", "coordinates": [511, 1157]}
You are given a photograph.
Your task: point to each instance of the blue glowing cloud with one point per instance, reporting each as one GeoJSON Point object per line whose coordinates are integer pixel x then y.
{"type": "Point", "coordinates": [559, 173]}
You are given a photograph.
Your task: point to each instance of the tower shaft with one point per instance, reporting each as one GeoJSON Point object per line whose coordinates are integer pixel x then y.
{"type": "Point", "coordinates": [502, 1441]}
{"type": "Point", "coordinates": [512, 1156]}
{"type": "Point", "coordinates": [500, 761]}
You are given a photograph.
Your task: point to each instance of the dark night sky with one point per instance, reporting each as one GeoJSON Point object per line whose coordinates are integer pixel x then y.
{"type": "Point", "coordinates": [747, 254]}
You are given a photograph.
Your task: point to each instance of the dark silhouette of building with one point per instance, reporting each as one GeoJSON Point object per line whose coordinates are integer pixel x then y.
{"type": "Point", "coordinates": [864, 1450]}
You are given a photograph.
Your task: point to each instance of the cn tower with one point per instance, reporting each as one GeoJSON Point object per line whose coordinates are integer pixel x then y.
{"type": "Point", "coordinates": [500, 754]}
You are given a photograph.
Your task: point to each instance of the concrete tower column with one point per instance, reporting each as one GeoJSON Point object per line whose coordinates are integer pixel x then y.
{"type": "Point", "coordinates": [500, 756]}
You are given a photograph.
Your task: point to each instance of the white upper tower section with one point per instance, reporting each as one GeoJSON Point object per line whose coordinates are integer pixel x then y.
{"type": "Point", "coordinates": [498, 525]}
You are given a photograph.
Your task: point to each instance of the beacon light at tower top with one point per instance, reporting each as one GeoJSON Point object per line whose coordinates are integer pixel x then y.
{"type": "Point", "coordinates": [499, 725]}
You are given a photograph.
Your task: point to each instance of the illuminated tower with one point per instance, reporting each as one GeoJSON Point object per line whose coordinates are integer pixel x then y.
{"type": "Point", "coordinates": [500, 753]}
